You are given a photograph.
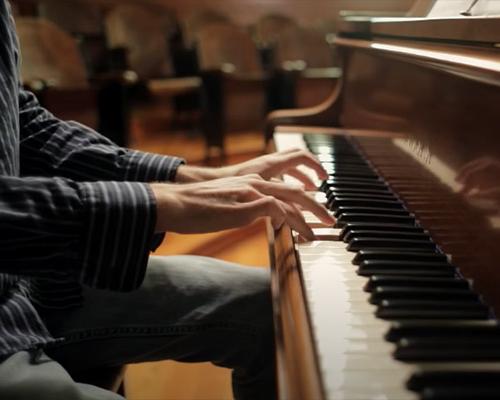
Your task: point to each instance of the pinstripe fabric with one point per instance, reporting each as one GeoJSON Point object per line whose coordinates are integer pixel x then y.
{"type": "Point", "coordinates": [73, 208]}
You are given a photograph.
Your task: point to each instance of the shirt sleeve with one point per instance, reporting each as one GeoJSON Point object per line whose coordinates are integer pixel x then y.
{"type": "Point", "coordinates": [99, 232]}
{"type": "Point", "coordinates": [115, 213]}
{"type": "Point", "coordinates": [52, 147]}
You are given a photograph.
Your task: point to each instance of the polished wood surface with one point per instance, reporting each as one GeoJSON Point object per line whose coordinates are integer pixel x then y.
{"type": "Point", "coordinates": [442, 96]}
{"type": "Point", "coordinates": [297, 368]}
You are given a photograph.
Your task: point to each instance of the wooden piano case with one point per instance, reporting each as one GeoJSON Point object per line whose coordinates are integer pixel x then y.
{"type": "Point", "coordinates": [436, 81]}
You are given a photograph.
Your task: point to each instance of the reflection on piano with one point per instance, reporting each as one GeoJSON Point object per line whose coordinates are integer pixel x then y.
{"type": "Point", "coordinates": [398, 300]}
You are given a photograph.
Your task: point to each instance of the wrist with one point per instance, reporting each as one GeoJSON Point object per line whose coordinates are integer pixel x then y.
{"type": "Point", "coordinates": [190, 174]}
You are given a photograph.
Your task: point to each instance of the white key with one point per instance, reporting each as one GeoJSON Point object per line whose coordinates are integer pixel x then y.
{"type": "Point", "coordinates": [355, 360]}
{"type": "Point", "coordinates": [326, 233]}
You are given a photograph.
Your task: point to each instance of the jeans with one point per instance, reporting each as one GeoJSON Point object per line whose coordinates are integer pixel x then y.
{"type": "Point", "coordinates": [189, 309]}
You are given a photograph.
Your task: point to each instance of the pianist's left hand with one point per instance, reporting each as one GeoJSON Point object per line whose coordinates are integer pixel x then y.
{"type": "Point", "coordinates": [267, 166]}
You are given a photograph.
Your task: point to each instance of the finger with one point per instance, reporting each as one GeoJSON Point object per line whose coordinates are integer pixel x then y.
{"type": "Point", "coordinates": [266, 206]}
{"type": "Point", "coordinates": [294, 194]}
{"type": "Point", "coordinates": [304, 158]}
{"type": "Point", "coordinates": [302, 177]}
{"type": "Point", "coordinates": [248, 193]}
{"type": "Point", "coordinates": [297, 222]}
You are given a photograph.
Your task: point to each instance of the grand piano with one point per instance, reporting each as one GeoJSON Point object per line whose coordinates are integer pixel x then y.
{"type": "Point", "coordinates": [400, 299]}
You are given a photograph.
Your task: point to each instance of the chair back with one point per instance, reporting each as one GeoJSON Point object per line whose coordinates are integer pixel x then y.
{"type": "Point", "coordinates": [49, 54]}
{"type": "Point", "coordinates": [228, 48]}
{"type": "Point", "coordinates": [302, 48]}
{"type": "Point", "coordinates": [76, 16]}
{"type": "Point", "coordinates": [270, 27]}
{"type": "Point", "coordinates": [143, 32]}
{"type": "Point", "coordinates": [192, 24]}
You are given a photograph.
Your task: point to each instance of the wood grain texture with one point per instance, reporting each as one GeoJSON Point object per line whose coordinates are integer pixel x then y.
{"type": "Point", "coordinates": [298, 371]}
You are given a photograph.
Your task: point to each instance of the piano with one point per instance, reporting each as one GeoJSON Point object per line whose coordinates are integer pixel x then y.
{"type": "Point", "coordinates": [400, 299]}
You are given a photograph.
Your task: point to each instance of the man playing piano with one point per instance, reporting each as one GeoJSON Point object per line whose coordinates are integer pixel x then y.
{"type": "Point", "coordinates": [78, 218]}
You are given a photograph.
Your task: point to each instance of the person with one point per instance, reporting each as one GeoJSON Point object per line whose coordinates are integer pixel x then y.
{"type": "Point", "coordinates": [79, 217]}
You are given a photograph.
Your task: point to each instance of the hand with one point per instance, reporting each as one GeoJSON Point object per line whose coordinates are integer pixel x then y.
{"type": "Point", "coordinates": [479, 175]}
{"type": "Point", "coordinates": [233, 202]}
{"type": "Point", "coordinates": [267, 167]}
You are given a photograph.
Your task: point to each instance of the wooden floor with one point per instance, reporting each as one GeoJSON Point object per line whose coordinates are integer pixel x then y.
{"type": "Point", "coordinates": [175, 381]}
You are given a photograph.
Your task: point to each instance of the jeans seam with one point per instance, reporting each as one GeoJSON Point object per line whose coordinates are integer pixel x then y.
{"type": "Point", "coordinates": [139, 331]}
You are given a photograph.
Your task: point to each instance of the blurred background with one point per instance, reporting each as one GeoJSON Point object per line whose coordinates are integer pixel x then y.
{"type": "Point", "coordinates": [193, 78]}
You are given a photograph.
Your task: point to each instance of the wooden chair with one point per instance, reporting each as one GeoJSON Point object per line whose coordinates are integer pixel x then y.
{"type": "Point", "coordinates": [305, 68]}
{"type": "Point", "coordinates": [143, 33]}
{"type": "Point", "coordinates": [53, 67]}
{"type": "Point", "coordinates": [193, 23]}
{"type": "Point", "coordinates": [85, 22]}
{"type": "Point", "coordinates": [266, 32]}
{"type": "Point", "coordinates": [233, 83]}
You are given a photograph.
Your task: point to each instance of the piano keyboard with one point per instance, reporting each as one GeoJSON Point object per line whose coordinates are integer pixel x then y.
{"type": "Point", "coordinates": [392, 318]}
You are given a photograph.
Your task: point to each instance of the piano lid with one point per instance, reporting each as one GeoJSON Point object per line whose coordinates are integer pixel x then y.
{"type": "Point", "coordinates": [474, 22]}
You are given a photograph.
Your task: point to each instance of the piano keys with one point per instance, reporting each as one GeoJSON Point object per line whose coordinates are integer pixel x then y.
{"type": "Point", "coordinates": [389, 311]}
{"type": "Point", "coordinates": [398, 300]}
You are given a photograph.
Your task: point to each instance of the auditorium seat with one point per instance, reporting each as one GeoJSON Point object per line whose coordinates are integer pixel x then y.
{"type": "Point", "coordinates": [266, 32]}
{"type": "Point", "coordinates": [305, 68]}
{"type": "Point", "coordinates": [144, 33]}
{"type": "Point", "coordinates": [197, 20]}
{"type": "Point", "coordinates": [53, 68]}
{"type": "Point", "coordinates": [233, 83]}
{"type": "Point", "coordinates": [84, 20]}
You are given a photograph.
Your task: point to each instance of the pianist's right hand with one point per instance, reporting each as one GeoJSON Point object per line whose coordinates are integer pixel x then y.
{"type": "Point", "coordinates": [232, 202]}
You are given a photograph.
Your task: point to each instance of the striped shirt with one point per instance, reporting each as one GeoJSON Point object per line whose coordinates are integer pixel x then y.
{"type": "Point", "coordinates": [74, 208]}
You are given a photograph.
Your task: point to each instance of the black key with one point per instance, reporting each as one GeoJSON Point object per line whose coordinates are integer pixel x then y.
{"type": "Point", "coordinates": [381, 227]}
{"type": "Point", "coordinates": [333, 191]}
{"type": "Point", "coordinates": [330, 158]}
{"type": "Point", "coordinates": [341, 201]}
{"type": "Point", "coordinates": [460, 328]}
{"type": "Point", "coordinates": [376, 218]}
{"type": "Point", "coordinates": [331, 185]}
{"type": "Point", "coordinates": [452, 378]}
{"type": "Point", "coordinates": [421, 293]}
{"type": "Point", "coordinates": [358, 244]}
{"type": "Point", "coordinates": [361, 195]}
{"type": "Point", "coordinates": [389, 235]}
{"type": "Point", "coordinates": [406, 268]}
{"type": "Point", "coordinates": [431, 304]}
{"type": "Point", "coordinates": [461, 392]}
{"type": "Point", "coordinates": [338, 173]}
{"type": "Point", "coordinates": [399, 255]}
{"type": "Point", "coordinates": [355, 185]}
{"type": "Point", "coordinates": [367, 210]}
{"type": "Point", "coordinates": [398, 314]}
{"type": "Point", "coordinates": [381, 280]}
{"type": "Point", "coordinates": [469, 349]}
{"type": "Point", "coordinates": [331, 161]}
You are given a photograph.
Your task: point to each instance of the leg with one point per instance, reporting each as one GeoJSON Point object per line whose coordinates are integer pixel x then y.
{"type": "Point", "coordinates": [28, 376]}
{"type": "Point", "coordinates": [188, 309]}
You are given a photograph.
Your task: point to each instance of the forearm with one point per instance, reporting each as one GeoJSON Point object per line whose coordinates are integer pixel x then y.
{"type": "Point", "coordinates": [191, 174]}
{"type": "Point", "coordinates": [101, 232]}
